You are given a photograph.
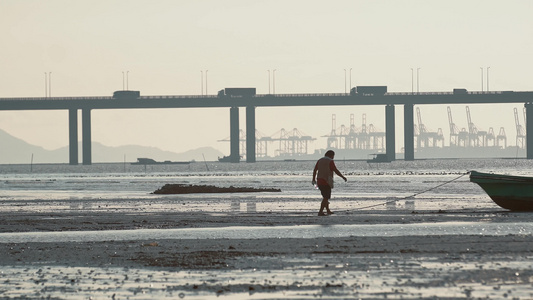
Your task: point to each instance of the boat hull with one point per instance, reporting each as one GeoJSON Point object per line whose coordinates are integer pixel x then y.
{"type": "Point", "coordinates": [510, 192]}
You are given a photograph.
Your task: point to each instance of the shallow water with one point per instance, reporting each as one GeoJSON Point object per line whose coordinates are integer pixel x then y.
{"type": "Point", "coordinates": [368, 277]}
{"type": "Point", "coordinates": [282, 232]}
{"type": "Point", "coordinates": [378, 188]}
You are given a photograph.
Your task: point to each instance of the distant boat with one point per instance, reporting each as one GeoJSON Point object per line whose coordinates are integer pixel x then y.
{"type": "Point", "coordinates": [508, 191]}
{"type": "Point", "coordinates": [227, 158]}
{"type": "Point", "coordinates": [224, 159]}
{"type": "Point", "coordinates": [379, 158]}
{"type": "Point", "coordinates": [149, 161]}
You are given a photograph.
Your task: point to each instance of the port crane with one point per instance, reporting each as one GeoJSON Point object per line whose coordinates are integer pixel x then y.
{"type": "Point", "coordinates": [520, 132]}
{"type": "Point", "coordinates": [260, 144]}
{"type": "Point", "coordinates": [425, 138]}
{"type": "Point", "coordinates": [501, 138]}
{"type": "Point", "coordinates": [292, 142]}
{"type": "Point", "coordinates": [476, 137]}
{"type": "Point", "coordinates": [454, 131]}
{"type": "Point", "coordinates": [332, 138]}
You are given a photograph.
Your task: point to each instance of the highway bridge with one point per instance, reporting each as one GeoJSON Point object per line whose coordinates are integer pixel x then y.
{"type": "Point", "coordinates": [252, 102]}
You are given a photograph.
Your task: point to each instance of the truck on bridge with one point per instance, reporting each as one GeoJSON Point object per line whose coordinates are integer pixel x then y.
{"type": "Point", "coordinates": [237, 92]}
{"type": "Point", "coordinates": [126, 94]}
{"type": "Point", "coordinates": [369, 90]}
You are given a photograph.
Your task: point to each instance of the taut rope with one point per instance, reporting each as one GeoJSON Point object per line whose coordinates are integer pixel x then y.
{"type": "Point", "coordinates": [413, 195]}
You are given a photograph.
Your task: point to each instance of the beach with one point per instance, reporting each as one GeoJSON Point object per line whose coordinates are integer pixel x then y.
{"type": "Point", "coordinates": [394, 267]}
{"type": "Point", "coordinates": [454, 243]}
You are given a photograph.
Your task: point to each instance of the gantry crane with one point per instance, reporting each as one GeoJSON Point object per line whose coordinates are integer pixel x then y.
{"type": "Point", "coordinates": [501, 137]}
{"type": "Point", "coordinates": [345, 137]}
{"type": "Point", "coordinates": [363, 141]}
{"type": "Point", "coordinates": [491, 137]}
{"type": "Point", "coordinates": [351, 138]}
{"type": "Point", "coordinates": [332, 138]}
{"type": "Point", "coordinates": [520, 132]}
{"type": "Point", "coordinates": [454, 132]}
{"type": "Point", "coordinates": [476, 137]}
{"type": "Point", "coordinates": [291, 142]}
{"type": "Point", "coordinates": [426, 138]}
{"type": "Point", "coordinates": [260, 143]}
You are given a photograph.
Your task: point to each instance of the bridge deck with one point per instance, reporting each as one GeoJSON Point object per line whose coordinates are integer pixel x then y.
{"type": "Point", "coordinates": [330, 99]}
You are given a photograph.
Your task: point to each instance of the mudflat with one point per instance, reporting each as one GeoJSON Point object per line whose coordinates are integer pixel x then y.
{"type": "Point", "coordinates": [452, 266]}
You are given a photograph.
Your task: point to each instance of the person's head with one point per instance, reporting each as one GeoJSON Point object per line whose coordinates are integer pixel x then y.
{"type": "Point", "coordinates": [330, 154]}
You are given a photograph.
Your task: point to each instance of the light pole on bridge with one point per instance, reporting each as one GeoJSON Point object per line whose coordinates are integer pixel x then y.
{"type": "Point", "coordinates": [345, 81]}
{"type": "Point", "coordinates": [418, 80]}
{"type": "Point", "coordinates": [274, 81]}
{"type": "Point", "coordinates": [488, 78]}
{"type": "Point", "coordinates": [202, 81]}
{"type": "Point", "coordinates": [268, 81]}
{"type": "Point", "coordinates": [48, 84]}
{"type": "Point", "coordinates": [412, 81]}
{"type": "Point", "coordinates": [481, 79]}
{"type": "Point", "coordinates": [350, 79]}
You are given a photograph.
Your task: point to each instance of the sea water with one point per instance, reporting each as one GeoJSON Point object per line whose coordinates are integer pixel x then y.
{"type": "Point", "coordinates": [399, 186]}
{"type": "Point", "coordinates": [367, 183]}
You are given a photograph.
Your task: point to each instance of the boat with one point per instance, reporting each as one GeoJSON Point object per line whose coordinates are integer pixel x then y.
{"type": "Point", "coordinates": [149, 161]}
{"type": "Point", "coordinates": [224, 159]}
{"type": "Point", "coordinates": [228, 158]}
{"type": "Point", "coordinates": [508, 191]}
{"type": "Point", "coordinates": [379, 157]}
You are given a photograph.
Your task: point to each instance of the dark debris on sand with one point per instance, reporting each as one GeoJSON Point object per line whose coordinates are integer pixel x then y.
{"type": "Point", "coordinates": [191, 189]}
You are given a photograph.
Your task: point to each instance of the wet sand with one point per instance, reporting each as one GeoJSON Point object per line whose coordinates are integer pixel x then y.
{"type": "Point", "coordinates": [406, 267]}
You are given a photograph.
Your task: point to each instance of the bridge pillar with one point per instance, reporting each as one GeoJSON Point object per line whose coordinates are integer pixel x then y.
{"type": "Point", "coordinates": [73, 136]}
{"type": "Point", "coordinates": [529, 130]}
{"type": "Point", "coordinates": [408, 132]}
{"type": "Point", "coordinates": [390, 135]}
{"type": "Point", "coordinates": [235, 156]}
{"type": "Point", "coordinates": [86, 135]}
{"type": "Point", "coordinates": [250, 134]}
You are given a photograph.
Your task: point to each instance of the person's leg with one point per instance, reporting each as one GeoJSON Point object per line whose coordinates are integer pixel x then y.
{"type": "Point", "coordinates": [327, 209]}
{"type": "Point", "coordinates": [323, 205]}
{"type": "Point", "coordinates": [325, 190]}
{"type": "Point", "coordinates": [327, 202]}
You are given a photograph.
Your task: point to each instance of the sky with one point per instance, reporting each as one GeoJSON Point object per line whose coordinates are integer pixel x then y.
{"type": "Point", "coordinates": [193, 47]}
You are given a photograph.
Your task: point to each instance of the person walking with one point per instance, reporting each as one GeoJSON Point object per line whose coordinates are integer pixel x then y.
{"type": "Point", "coordinates": [324, 168]}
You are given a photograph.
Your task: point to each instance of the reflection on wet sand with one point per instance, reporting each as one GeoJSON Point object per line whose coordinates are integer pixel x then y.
{"type": "Point", "coordinates": [249, 202]}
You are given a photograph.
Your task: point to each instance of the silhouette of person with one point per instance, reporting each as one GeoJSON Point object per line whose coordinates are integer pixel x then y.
{"type": "Point", "coordinates": [325, 168]}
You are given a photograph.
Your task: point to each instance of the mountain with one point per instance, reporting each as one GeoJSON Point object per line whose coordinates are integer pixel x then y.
{"type": "Point", "coordinates": [15, 151]}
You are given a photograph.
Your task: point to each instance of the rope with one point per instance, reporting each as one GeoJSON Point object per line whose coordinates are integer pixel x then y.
{"type": "Point", "coordinates": [413, 195]}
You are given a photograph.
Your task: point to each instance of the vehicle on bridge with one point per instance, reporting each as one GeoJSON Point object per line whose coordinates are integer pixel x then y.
{"type": "Point", "coordinates": [126, 95]}
{"type": "Point", "coordinates": [237, 92]}
{"type": "Point", "coordinates": [369, 90]}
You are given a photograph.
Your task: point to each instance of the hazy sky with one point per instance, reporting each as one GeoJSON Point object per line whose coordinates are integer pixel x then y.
{"type": "Point", "coordinates": [166, 44]}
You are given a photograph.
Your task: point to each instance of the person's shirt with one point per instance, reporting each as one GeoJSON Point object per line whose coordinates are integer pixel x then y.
{"type": "Point", "coordinates": [325, 167]}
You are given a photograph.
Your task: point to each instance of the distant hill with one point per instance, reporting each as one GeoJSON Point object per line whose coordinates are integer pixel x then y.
{"type": "Point", "coordinates": [15, 151]}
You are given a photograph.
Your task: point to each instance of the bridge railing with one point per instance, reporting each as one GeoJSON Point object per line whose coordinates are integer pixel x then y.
{"type": "Point", "coordinates": [255, 96]}
{"type": "Point", "coordinates": [179, 97]}
{"type": "Point", "coordinates": [55, 98]}
{"type": "Point", "coordinates": [302, 95]}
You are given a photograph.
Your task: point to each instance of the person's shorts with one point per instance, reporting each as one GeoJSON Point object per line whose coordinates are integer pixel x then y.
{"type": "Point", "coordinates": [325, 190]}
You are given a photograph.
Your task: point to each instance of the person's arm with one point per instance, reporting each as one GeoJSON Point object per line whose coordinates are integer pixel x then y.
{"type": "Point", "coordinates": [314, 174]}
{"type": "Point", "coordinates": [334, 169]}
{"type": "Point", "coordinates": [340, 175]}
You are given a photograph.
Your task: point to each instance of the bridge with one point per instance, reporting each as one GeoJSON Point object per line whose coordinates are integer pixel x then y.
{"type": "Point", "coordinates": [251, 102]}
